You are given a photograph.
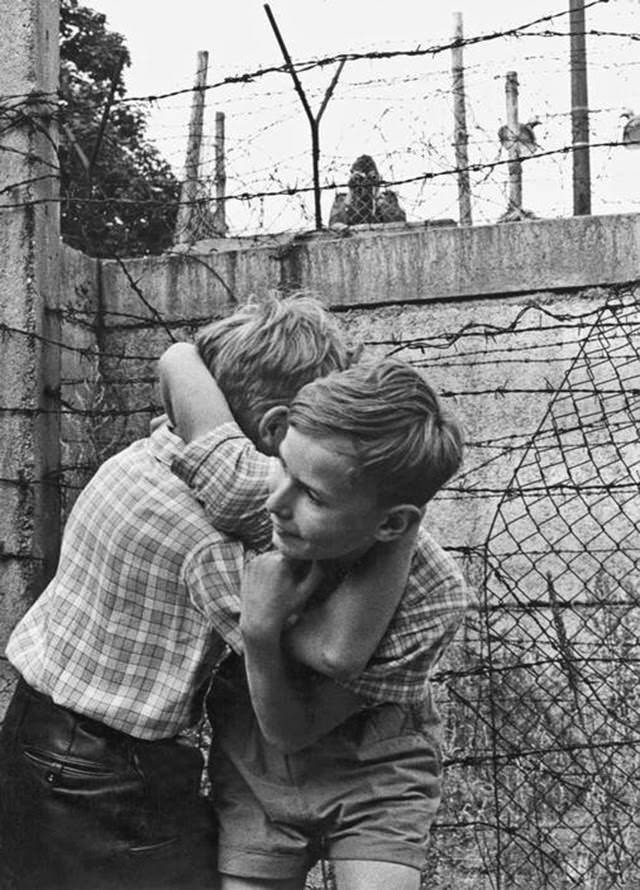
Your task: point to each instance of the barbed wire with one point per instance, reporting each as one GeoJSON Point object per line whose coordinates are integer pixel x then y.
{"type": "Point", "coordinates": [290, 191]}
{"type": "Point", "coordinates": [541, 692]}
{"type": "Point", "coordinates": [267, 197]}
{"type": "Point", "coordinates": [375, 55]}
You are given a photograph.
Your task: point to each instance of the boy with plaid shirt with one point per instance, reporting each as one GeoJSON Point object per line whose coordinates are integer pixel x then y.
{"type": "Point", "coordinates": [97, 786]}
{"type": "Point", "coordinates": [303, 767]}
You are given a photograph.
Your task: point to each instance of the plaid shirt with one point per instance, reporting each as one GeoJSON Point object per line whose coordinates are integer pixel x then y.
{"type": "Point", "coordinates": [230, 478]}
{"type": "Point", "coordinates": [126, 631]}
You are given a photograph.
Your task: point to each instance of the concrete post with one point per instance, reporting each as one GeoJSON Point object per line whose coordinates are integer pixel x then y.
{"type": "Point", "coordinates": [29, 320]}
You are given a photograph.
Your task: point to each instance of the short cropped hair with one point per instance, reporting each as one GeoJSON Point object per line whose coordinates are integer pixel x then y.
{"type": "Point", "coordinates": [267, 349]}
{"type": "Point", "coordinates": [405, 443]}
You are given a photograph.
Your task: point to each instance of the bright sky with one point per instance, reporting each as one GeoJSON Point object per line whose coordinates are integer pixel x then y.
{"type": "Point", "coordinates": [164, 39]}
{"type": "Point", "coordinates": [400, 111]}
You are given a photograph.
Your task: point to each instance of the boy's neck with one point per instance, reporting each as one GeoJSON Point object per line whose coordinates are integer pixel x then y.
{"type": "Point", "coordinates": [335, 570]}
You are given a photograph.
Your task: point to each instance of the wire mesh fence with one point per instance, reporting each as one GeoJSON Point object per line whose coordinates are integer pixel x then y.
{"type": "Point", "coordinates": [549, 769]}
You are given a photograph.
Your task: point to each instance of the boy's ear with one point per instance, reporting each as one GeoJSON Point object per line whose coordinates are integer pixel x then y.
{"type": "Point", "coordinates": [272, 428]}
{"type": "Point", "coordinates": [398, 520]}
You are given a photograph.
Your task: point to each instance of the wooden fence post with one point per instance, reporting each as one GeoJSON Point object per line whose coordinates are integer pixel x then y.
{"type": "Point", "coordinates": [514, 166]}
{"type": "Point", "coordinates": [189, 212]}
{"type": "Point", "coordinates": [460, 127]}
{"type": "Point", "coordinates": [221, 177]}
{"type": "Point", "coordinates": [579, 111]}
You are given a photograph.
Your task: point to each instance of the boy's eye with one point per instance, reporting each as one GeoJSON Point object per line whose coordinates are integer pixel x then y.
{"type": "Point", "coordinates": [313, 497]}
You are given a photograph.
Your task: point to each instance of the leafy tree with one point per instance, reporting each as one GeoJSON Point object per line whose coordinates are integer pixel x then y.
{"type": "Point", "coordinates": [119, 196]}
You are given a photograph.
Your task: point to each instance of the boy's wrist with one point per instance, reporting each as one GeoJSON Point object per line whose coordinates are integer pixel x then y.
{"type": "Point", "coordinates": [261, 624]}
{"type": "Point", "coordinates": [261, 637]}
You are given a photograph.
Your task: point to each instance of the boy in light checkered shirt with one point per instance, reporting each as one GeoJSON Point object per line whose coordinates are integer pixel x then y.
{"type": "Point", "coordinates": [303, 766]}
{"type": "Point", "coordinates": [97, 786]}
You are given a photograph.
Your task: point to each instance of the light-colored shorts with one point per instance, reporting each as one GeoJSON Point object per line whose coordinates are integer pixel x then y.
{"type": "Point", "coordinates": [368, 790]}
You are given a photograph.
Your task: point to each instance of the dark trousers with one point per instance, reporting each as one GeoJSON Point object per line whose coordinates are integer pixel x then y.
{"type": "Point", "coordinates": [84, 807]}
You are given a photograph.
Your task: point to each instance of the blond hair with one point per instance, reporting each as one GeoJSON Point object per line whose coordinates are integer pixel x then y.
{"type": "Point", "coordinates": [267, 349]}
{"type": "Point", "coordinates": [405, 443]}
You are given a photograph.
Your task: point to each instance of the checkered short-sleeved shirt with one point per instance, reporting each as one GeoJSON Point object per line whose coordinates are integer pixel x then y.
{"type": "Point", "coordinates": [143, 601]}
{"type": "Point", "coordinates": [230, 478]}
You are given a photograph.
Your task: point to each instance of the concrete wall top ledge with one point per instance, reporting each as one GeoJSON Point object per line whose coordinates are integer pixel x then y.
{"type": "Point", "coordinates": [433, 263]}
{"type": "Point", "coordinates": [418, 262]}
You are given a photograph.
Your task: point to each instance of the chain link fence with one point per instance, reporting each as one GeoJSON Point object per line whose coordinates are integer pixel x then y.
{"type": "Point", "coordinates": [544, 784]}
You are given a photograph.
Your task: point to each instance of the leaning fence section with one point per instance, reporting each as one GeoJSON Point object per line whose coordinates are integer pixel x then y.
{"type": "Point", "coordinates": [540, 691]}
{"type": "Point", "coordinates": [548, 748]}
{"type": "Point", "coordinates": [562, 617]}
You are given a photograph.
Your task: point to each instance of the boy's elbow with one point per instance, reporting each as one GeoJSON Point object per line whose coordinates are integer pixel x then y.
{"type": "Point", "coordinates": [341, 666]}
{"type": "Point", "coordinates": [328, 657]}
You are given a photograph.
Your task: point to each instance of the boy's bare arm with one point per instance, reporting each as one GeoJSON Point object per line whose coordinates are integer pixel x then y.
{"type": "Point", "coordinates": [293, 707]}
{"type": "Point", "coordinates": [229, 477]}
{"type": "Point", "coordinates": [193, 401]}
{"type": "Point", "coordinates": [339, 636]}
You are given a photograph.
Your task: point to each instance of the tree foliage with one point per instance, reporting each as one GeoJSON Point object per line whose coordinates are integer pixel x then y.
{"type": "Point", "coordinates": [119, 196]}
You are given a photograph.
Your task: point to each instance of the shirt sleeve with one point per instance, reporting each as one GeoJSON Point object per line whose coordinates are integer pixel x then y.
{"type": "Point", "coordinates": [229, 476]}
{"type": "Point", "coordinates": [213, 574]}
{"type": "Point", "coordinates": [426, 620]}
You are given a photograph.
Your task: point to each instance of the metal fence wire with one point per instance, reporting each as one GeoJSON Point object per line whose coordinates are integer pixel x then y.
{"type": "Point", "coordinates": [555, 744]}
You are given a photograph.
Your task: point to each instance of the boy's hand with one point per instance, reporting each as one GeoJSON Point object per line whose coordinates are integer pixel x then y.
{"type": "Point", "coordinates": [274, 589]}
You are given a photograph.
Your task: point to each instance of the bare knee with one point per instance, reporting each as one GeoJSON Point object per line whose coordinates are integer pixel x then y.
{"type": "Point", "coordinates": [229, 882]}
{"type": "Point", "coordinates": [359, 874]}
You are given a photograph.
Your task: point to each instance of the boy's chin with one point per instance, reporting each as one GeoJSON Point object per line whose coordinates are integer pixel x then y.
{"type": "Point", "coordinates": [290, 546]}
{"type": "Point", "coordinates": [294, 547]}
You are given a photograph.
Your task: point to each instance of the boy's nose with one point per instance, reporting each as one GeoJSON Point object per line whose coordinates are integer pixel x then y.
{"type": "Point", "coordinates": [279, 501]}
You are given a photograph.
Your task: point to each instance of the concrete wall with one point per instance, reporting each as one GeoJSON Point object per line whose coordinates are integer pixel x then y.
{"type": "Point", "coordinates": [403, 263]}
{"type": "Point", "coordinates": [81, 384]}
{"type": "Point", "coordinates": [480, 309]}
{"type": "Point", "coordinates": [29, 264]}
{"type": "Point", "coordinates": [501, 394]}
